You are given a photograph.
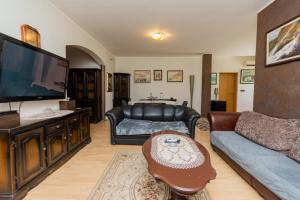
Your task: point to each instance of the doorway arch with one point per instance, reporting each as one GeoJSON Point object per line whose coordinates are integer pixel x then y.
{"type": "Point", "coordinates": [82, 57]}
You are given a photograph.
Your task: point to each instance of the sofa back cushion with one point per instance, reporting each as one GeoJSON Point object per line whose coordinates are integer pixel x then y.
{"type": "Point", "coordinates": [154, 112]}
{"type": "Point", "coordinates": [295, 151]}
{"type": "Point", "coordinates": [168, 112]}
{"type": "Point", "coordinates": [274, 133]}
{"type": "Point", "coordinates": [137, 112]}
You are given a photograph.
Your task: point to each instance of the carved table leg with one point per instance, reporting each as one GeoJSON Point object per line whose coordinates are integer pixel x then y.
{"type": "Point", "coordinates": [176, 196]}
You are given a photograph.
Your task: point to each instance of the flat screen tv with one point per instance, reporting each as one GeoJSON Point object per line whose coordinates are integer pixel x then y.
{"type": "Point", "coordinates": [28, 73]}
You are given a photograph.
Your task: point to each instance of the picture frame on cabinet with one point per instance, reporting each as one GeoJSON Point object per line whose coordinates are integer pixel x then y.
{"type": "Point", "coordinates": [30, 35]}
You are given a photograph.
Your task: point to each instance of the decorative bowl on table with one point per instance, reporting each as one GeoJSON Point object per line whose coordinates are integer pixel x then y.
{"type": "Point", "coordinates": [172, 141]}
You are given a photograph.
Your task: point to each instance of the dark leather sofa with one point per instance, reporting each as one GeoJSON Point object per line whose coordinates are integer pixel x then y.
{"type": "Point", "coordinates": [149, 112]}
{"type": "Point", "coordinates": [224, 121]}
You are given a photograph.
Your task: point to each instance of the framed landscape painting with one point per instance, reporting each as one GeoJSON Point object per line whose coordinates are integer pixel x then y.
{"type": "Point", "coordinates": [142, 76]}
{"type": "Point", "coordinates": [247, 76]}
{"type": "Point", "coordinates": [283, 43]}
{"type": "Point", "coordinates": [175, 76]}
{"type": "Point", "coordinates": [214, 79]}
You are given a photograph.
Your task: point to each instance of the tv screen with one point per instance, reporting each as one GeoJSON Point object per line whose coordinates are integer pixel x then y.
{"type": "Point", "coordinates": [29, 73]}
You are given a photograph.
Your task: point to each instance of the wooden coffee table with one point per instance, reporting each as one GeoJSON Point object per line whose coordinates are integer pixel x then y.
{"type": "Point", "coordinates": [182, 182]}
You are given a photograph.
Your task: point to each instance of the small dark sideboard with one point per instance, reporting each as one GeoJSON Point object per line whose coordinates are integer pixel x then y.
{"type": "Point", "coordinates": [32, 150]}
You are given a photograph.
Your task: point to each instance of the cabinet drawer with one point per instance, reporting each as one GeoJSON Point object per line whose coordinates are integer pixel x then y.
{"type": "Point", "coordinates": [55, 127]}
{"type": "Point", "coordinates": [73, 120]}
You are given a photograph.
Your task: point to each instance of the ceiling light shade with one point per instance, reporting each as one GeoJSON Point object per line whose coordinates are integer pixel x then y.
{"type": "Point", "coordinates": [158, 36]}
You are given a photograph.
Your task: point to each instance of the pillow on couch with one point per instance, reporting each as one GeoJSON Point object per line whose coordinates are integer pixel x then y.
{"type": "Point", "coordinates": [274, 133]}
{"type": "Point", "coordinates": [295, 151]}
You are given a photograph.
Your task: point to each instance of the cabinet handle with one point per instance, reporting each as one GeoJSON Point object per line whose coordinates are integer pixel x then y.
{"type": "Point", "coordinates": [65, 138]}
{"type": "Point", "coordinates": [70, 135]}
{"type": "Point", "coordinates": [58, 126]}
{"type": "Point", "coordinates": [44, 148]}
{"type": "Point", "coordinates": [74, 120]}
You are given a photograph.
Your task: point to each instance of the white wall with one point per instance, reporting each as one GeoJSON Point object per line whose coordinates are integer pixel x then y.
{"type": "Point", "coordinates": [57, 30]}
{"type": "Point", "coordinates": [181, 91]}
{"type": "Point", "coordinates": [234, 64]}
{"type": "Point", "coordinates": [79, 59]}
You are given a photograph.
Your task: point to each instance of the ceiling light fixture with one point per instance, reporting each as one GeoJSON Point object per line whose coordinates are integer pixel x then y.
{"type": "Point", "coordinates": [159, 36]}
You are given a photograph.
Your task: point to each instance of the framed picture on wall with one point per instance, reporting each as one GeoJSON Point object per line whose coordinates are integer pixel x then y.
{"type": "Point", "coordinates": [283, 43]}
{"type": "Point", "coordinates": [247, 76]}
{"type": "Point", "coordinates": [157, 75]}
{"type": "Point", "coordinates": [175, 75]}
{"type": "Point", "coordinates": [30, 35]}
{"type": "Point", "coordinates": [109, 82]}
{"type": "Point", "coordinates": [214, 79]}
{"type": "Point", "coordinates": [142, 76]}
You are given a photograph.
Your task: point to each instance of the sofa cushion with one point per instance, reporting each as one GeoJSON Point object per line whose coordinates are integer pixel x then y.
{"type": "Point", "coordinates": [295, 151]}
{"type": "Point", "coordinates": [169, 112]}
{"type": "Point", "coordinates": [140, 127]}
{"type": "Point", "coordinates": [274, 133]}
{"type": "Point", "coordinates": [153, 112]}
{"type": "Point", "coordinates": [133, 127]}
{"type": "Point", "coordinates": [273, 169]}
{"type": "Point", "coordinates": [178, 126]}
{"type": "Point", "coordinates": [137, 111]}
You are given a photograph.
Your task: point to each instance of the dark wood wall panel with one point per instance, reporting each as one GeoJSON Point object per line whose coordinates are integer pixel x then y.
{"type": "Point", "coordinates": [277, 88]}
{"type": "Point", "coordinates": [206, 87]}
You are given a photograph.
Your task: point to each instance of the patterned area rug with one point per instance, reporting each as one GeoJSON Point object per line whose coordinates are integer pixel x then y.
{"type": "Point", "coordinates": [127, 178]}
{"type": "Point", "coordinates": [203, 124]}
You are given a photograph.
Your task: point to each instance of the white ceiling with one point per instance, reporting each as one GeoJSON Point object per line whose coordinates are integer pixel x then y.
{"type": "Point", "coordinates": [223, 27]}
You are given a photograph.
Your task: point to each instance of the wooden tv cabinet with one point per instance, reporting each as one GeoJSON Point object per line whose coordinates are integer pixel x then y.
{"type": "Point", "coordinates": [32, 150]}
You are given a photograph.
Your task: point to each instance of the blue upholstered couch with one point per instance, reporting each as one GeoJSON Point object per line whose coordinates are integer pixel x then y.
{"type": "Point", "coordinates": [273, 174]}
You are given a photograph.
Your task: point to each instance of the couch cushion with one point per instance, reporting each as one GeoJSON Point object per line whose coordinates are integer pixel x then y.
{"type": "Point", "coordinates": [295, 151]}
{"type": "Point", "coordinates": [169, 112]}
{"type": "Point", "coordinates": [273, 169]}
{"type": "Point", "coordinates": [153, 112]}
{"type": "Point", "coordinates": [137, 111]}
{"type": "Point", "coordinates": [274, 133]}
{"type": "Point", "coordinates": [174, 126]}
{"type": "Point", "coordinates": [133, 127]}
{"type": "Point", "coordinates": [179, 113]}
{"type": "Point", "coordinates": [127, 110]}
{"type": "Point", "coordinates": [139, 127]}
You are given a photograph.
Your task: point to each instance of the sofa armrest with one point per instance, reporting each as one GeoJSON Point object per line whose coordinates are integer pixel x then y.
{"type": "Point", "coordinates": [191, 118]}
{"type": "Point", "coordinates": [223, 121]}
{"type": "Point", "coordinates": [115, 116]}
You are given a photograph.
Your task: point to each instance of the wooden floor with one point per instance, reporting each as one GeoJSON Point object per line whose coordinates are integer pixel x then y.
{"type": "Point", "coordinates": [75, 179]}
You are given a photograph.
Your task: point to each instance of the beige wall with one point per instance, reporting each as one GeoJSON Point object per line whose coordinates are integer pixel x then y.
{"type": "Point", "coordinates": [180, 91]}
{"type": "Point", "coordinates": [79, 59]}
{"type": "Point", "coordinates": [57, 30]}
{"type": "Point", "coordinates": [234, 64]}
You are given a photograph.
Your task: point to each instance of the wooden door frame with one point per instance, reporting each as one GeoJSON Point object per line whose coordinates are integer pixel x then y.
{"type": "Point", "coordinates": [236, 86]}
{"type": "Point", "coordinates": [103, 91]}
